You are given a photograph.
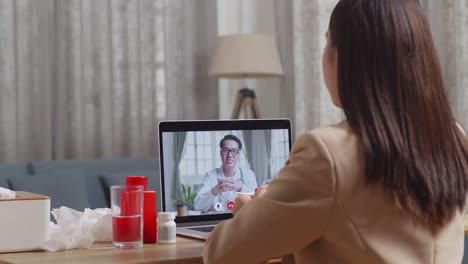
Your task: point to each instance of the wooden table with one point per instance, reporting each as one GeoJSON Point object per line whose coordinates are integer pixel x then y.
{"type": "Point", "coordinates": [184, 251]}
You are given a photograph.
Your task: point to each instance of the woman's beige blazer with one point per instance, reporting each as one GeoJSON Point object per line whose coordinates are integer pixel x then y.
{"type": "Point", "coordinates": [321, 210]}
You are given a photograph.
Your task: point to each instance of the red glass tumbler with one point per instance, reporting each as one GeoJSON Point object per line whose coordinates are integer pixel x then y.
{"type": "Point", "coordinates": [127, 216]}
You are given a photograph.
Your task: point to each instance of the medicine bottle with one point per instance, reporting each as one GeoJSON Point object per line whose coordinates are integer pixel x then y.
{"type": "Point", "coordinates": [166, 227]}
{"type": "Point", "coordinates": [150, 231]}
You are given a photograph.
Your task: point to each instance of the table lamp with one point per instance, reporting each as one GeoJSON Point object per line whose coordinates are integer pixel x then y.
{"type": "Point", "coordinates": [246, 56]}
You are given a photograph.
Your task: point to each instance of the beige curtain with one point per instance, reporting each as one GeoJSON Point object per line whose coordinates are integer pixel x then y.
{"type": "Point", "coordinates": [300, 29]}
{"type": "Point", "coordinates": [301, 26]}
{"type": "Point", "coordinates": [449, 22]}
{"type": "Point", "coordinates": [86, 79]}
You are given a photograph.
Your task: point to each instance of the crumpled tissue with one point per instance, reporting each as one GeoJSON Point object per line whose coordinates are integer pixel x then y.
{"type": "Point", "coordinates": [7, 193]}
{"type": "Point", "coordinates": [75, 229]}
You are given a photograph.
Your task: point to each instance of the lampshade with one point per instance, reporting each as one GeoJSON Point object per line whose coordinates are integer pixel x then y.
{"type": "Point", "coordinates": [246, 56]}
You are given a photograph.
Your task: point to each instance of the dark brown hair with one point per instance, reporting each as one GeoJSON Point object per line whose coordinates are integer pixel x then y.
{"type": "Point", "coordinates": [392, 93]}
{"type": "Point", "coordinates": [230, 137]}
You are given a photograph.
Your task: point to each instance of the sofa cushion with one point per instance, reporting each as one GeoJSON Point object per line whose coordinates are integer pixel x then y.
{"type": "Point", "coordinates": [93, 168]}
{"type": "Point", "coordinates": [65, 188]}
{"type": "Point", "coordinates": [4, 182]}
{"type": "Point", "coordinates": [108, 179]}
{"type": "Point", "coordinates": [10, 170]}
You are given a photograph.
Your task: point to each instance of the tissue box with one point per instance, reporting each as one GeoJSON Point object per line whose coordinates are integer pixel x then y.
{"type": "Point", "coordinates": [24, 222]}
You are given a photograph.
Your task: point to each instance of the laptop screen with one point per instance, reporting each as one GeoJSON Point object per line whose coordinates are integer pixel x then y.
{"type": "Point", "coordinates": [206, 164]}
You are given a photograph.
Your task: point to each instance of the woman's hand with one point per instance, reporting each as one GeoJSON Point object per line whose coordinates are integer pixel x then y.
{"type": "Point", "coordinates": [261, 190]}
{"type": "Point", "coordinates": [242, 199]}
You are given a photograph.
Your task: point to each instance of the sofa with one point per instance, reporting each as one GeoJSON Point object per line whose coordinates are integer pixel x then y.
{"type": "Point", "coordinates": [78, 184]}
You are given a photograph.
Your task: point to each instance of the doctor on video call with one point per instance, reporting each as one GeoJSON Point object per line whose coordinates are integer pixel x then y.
{"type": "Point", "coordinates": [221, 184]}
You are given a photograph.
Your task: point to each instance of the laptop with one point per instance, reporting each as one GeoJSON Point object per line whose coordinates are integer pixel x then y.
{"type": "Point", "coordinates": [204, 165]}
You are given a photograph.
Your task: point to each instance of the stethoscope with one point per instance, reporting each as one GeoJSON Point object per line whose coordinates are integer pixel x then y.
{"type": "Point", "coordinates": [241, 180]}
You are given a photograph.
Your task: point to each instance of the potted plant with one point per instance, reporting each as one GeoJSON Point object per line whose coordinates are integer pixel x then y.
{"type": "Point", "coordinates": [188, 194]}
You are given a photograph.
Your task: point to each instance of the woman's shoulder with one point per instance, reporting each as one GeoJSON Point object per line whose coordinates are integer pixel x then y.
{"type": "Point", "coordinates": [336, 133]}
{"type": "Point", "coordinates": [342, 129]}
{"type": "Point", "coordinates": [337, 139]}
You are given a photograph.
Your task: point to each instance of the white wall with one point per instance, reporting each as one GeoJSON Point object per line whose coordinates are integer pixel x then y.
{"type": "Point", "coordinates": [248, 16]}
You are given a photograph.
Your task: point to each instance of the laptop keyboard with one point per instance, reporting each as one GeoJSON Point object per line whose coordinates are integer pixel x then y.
{"type": "Point", "coordinates": [206, 229]}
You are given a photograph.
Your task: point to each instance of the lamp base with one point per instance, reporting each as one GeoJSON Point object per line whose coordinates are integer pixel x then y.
{"type": "Point", "coordinates": [247, 100]}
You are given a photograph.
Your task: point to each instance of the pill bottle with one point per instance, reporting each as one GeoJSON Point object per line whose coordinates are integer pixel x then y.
{"type": "Point", "coordinates": [166, 227]}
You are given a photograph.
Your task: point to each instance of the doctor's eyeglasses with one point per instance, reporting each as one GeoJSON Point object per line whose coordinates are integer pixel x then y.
{"type": "Point", "coordinates": [226, 151]}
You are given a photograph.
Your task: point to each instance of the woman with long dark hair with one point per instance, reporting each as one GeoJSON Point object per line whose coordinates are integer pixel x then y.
{"type": "Point", "coordinates": [389, 184]}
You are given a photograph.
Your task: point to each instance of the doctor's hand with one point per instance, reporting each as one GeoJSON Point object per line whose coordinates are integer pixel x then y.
{"type": "Point", "coordinates": [219, 188]}
{"type": "Point", "coordinates": [242, 199]}
{"type": "Point", "coordinates": [226, 186]}
{"type": "Point", "coordinates": [231, 185]}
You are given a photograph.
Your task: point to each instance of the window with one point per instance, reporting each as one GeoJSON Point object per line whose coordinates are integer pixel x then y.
{"type": "Point", "coordinates": [279, 150]}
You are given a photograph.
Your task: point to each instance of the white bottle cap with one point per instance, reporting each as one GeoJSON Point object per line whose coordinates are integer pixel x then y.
{"type": "Point", "coordinates": [164, 216]}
